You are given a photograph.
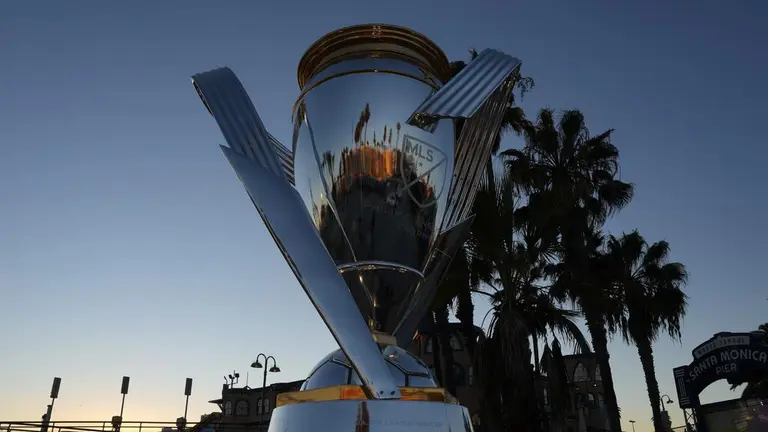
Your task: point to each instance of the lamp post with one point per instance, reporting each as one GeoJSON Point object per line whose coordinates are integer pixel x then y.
{"type": "Point", "coordinates": [665, 415]}
{"type": "Point", "coordinates": [633, 425]}
{"type": "Point", "coordinates": [54, 394]}
{"type": "Point", "coordinates": [117, 421]}
{"type": "Point", "coordinates": [257, 365]}
{"type": "Point", "coordinates": [181, 422]}
{"type": "Point", "coordinates": [669, 401]}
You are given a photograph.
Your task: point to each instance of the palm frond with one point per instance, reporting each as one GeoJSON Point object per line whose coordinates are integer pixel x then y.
{"type": "Point", "coordinates": [568, 329]}
{"type": "Point", "coordinates": [616, 194]}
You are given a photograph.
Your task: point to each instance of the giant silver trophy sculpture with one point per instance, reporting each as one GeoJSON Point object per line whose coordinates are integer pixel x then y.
{"type": "Point", "coordinates": [368, 206]}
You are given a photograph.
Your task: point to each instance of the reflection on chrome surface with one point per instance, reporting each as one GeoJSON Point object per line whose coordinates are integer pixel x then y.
{"type": "Point", "coordinates": [369, 205]}
{"type": "Point", "coordinates": [281, 209]}
{"type": "Point", "coordinates": [443, 250]}
{"type": "Point", "coordinates": [335, 369]}
{"type": "Point", "coordinates": [371, 416]}
{"type": "Point", "coordinates": [375, 187]}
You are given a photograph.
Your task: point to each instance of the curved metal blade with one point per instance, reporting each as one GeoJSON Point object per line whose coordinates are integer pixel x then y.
{"type": "Point", "coordinates": [479, 93]}
{"type": "Point", "coordinates": [227, 101]}
{"type": "Point", "coordinates": [465, 93]}
{"type": "Point", "coordinates": [446, 246]}
{"type": "Point", "coordinates": [287, 220]}
{"type": "Point", "coordinates": [265, 168]}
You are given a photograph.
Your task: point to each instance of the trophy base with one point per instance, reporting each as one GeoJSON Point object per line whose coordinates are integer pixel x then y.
{"type": "Point", "coordinates": [370, 416]}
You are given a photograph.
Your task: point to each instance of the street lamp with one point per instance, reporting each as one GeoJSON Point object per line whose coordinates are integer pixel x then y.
{"type": "Point", "coordinates": [633, 425]}
{"type": "Point", "coordinates": [257, 365]}
{"type": "Point", "coordinates": [669, 401]}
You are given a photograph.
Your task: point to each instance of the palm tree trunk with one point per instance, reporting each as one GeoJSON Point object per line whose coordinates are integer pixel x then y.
{"type": "Point", "coordinates": [599, 336]}
{"type": "Point", "coordinates": [645, 350]}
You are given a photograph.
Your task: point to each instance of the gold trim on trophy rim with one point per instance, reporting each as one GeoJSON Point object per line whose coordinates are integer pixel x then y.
{"type": "Point", "coordinates": [357, 392]}
{"type": "Point", "coordinates": [367, 41]}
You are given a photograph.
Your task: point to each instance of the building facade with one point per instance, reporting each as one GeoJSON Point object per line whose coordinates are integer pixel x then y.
{"type": "Point", "coordinates": [586, 405]}
{"type": "Point", "coordinates": [584, 411]}
{"type": "Point", "coordinates": [251, 408]}
{"type": "Point", "coordinates": [463, 364]}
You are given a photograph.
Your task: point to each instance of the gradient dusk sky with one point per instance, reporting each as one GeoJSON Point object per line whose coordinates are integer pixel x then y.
{"type": "Point", "coordinates": [130, 248]}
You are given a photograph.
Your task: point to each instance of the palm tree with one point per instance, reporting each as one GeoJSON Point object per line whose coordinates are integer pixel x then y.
{"type": "Point", "coordinates": [592, 288]}
{"type": "Point", "coordinates": [654, 302]}
{"type": "Point", "coordinates": [758, 387]}
{"type": "Point", "coordinates": [572, 181]}
{"type": "Point", "coordinates": [506, 257]}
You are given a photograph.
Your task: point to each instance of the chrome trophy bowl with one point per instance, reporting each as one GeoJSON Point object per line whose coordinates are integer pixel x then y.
{"type": "Point", "coordinates": [368, 206]}
{"type": "Point", "coordinates": [374, 185]}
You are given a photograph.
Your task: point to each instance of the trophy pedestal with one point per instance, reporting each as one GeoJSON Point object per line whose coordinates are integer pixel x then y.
{"type": "Point", "coordinates": [333, 399]}
{"type": "Point", "coordinates": [371, 416]}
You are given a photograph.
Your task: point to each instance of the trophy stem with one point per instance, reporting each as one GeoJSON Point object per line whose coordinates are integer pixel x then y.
{"type": "Point", "coordinates": [382, 290]}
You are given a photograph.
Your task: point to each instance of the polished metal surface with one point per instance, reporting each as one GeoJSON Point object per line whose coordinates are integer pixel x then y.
{"type": "Point", "coordinates": [335, 369]}
{"type": "Point", "coordinates": [465, 93]}
{"type": "Point", "coordinates": [281, 210]}
{"type": "Point", "coordinates": [252, 155]}
{"type": "Point", "coordinates": [480, 93]}
{"type": "Point", "coordinates": [370, 203]}
{"type": "Point", "coordinates": [370, 416]}
{"type": "Point", "coordinates": [445, 248]}
{"type": "Point", "coordinates": [227, 101]}
{"type": "Point", "coordinates": [473, 149]}
{"type": "Point", "coordinates": [284, 156]}
{"type": "Point", "coordinates": [375, 186]}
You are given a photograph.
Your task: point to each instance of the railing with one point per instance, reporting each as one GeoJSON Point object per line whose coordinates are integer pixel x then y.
{"type": "Point", "coordinates": [126, 426]}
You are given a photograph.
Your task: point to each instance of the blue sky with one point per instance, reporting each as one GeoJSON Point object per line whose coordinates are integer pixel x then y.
{"type": "Point", "coordinates": [130, 248]}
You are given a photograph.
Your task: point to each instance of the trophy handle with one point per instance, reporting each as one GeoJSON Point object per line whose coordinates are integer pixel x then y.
{"type": "Point", "coordinates": [479, 93]}
{"type": "Point", "coordinates": [252, 155]}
